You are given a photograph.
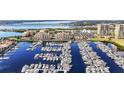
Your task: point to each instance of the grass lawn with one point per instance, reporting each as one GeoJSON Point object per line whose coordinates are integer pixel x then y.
{"type": "Point", "coordinates": [20, 39]}
{"type": "Point", "coordinates": [118, 42]}
{"type": "Point", "coordinates": [14, 38]}
{"type": "Point", "coordinates": [99, 39]}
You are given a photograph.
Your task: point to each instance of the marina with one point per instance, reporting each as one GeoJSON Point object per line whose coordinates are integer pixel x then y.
{"type": "Point", "coordinates": [47, 57]}
{"type": "Point", "coordinates": [63, 61]}
{"type": "Point", "coordinates": [114, 68]}
{"type": "Point", "coordinates": [51, 49]}
{"type": "Point", "coordinates": [112, 54]}
{"type": "Point", "coordinates": [48, 48]}
{"type": "Point", "coordinates": [63, 66]}
{"type": "Point", "coordinates": [94, 64]}
{"type": "Point", "coordinates": [78, 65]}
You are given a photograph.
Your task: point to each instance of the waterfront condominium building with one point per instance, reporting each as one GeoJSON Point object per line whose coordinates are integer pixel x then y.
{"type": "Point", "coordinates": [6, 44]}
{"type": "Point", "coordinates": [119, 31]}
{"type": "Point", "coordinates": [105, 30]}
{"type": "Point", "coordinates": [28, 33]}
{"type": "Point", "coordinates": [62, 36]}
{"type": "Point", "coordinates": [42, 36]}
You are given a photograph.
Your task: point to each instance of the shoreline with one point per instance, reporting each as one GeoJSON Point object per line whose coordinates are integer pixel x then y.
{"type": "Point", "coordinates": [119, 46]}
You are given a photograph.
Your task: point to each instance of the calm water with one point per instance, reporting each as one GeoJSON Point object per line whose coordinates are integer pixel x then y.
{"type": "Point", "coordinates": [21, 57]}
{"type": "Point", "coordinates": [8, 34]}
{"type": "Point", "coordinates": [36, 25]}
{"type": "Point", "coordinates": [77, 62]}
{"type": "Point", "coordinates": [114, 68]}
{"type": "Point", "coordinates": [32, 26]}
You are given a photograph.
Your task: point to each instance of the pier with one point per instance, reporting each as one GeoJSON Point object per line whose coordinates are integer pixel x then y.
{"type": "Point", "coordinates": [101, 50]}
{"type": "Point", "coordinates": [94, 64]}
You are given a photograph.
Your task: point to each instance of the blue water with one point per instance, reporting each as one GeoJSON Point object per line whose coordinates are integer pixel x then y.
{"type": "Point", "coordinates": [8, 34]}
{"type": "Point", "coordinates": [77, 63]}
{"type": "Point", "coordinates": [36, 25]}
{"type": "Point", "coordinates": [21, 57]}
{"type": "Point", "coordinates": [18, 59]}
{"type": "Point", "coordinates": [114, 68]}
{"type": "Point", "coordinates": [32, 26]}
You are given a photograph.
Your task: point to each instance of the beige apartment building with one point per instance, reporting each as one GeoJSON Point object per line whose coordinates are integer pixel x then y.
{"type": "Point", "coordinates": [119, 31]}
{"type": "Point", "coordinates": [104, 30]}
{"type": "Point", "coordinates": [42, 36]}
{"type": "Point", "coordinates": [110, 30]}
{"type": "Point", "coordinates": [62, 36]}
